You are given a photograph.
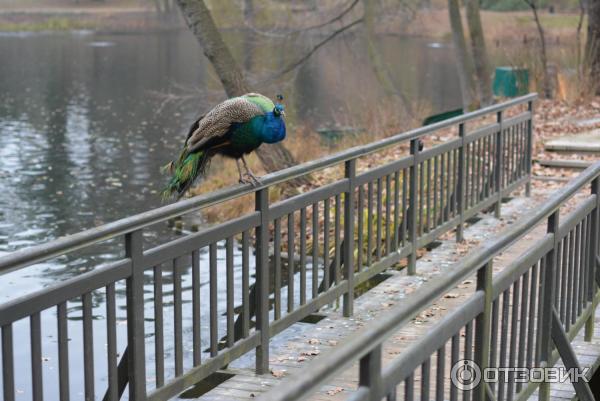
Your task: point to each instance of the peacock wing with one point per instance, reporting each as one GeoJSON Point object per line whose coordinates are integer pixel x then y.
{"type": "Point", "coordinates": [218, 121]}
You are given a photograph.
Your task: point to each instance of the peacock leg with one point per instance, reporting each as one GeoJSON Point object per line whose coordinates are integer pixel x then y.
{"type": "Point", "coordinates": [242, 181]}
{"type": "Point", "coordinates": [255, 181]}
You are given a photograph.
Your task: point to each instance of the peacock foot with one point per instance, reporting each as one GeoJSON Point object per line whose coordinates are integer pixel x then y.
{"type": "Point", "coordinates": [250, 178]}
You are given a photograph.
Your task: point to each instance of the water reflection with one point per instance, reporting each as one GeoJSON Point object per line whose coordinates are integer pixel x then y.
{"type": "Point", "coordinates": [81, 140]}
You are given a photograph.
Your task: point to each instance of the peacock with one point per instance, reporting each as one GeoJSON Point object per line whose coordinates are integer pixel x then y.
{"type": "Point", "coordinates": [233, 128]}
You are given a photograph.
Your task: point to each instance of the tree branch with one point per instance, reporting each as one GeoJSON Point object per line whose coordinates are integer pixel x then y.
{"type": "Point", "coordinates": [318, 26]}
{"type": "Point", "coordinates": [331, 21]}
{"type": "Point", "coordinates": [312, 51]}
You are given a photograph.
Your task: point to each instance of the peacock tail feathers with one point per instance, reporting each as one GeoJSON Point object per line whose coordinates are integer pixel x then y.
{"type": "Point", "coordinates": [169, 168]}
{"type": "Point", "coordinates": [185, 171]}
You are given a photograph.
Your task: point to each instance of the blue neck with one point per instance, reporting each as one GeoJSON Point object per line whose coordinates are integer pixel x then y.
{"type": "Point", "coordinates": [273, 129]}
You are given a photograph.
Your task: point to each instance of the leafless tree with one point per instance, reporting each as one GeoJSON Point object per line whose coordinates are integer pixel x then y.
{"type": "Point", "coordinates": [593, 43]}
{"type": "Point", "coordinates": [463, 58]}
{"type": "Point", "coordinates": [199, 20]}
{"type": "Point", "coordinates": [480, 57]}
{"type": "Point", "coordinates": [578, 37]}
{"type": "Point", "coordinates": [547, 84]}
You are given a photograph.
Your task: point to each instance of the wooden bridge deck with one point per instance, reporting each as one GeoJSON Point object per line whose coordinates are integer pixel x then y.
{"type": "Point", "coordinates": [292, 351]}
{"type": "Point", "coordinates": [588, 355]}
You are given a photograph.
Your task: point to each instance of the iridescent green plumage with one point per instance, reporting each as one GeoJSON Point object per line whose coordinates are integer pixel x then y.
{"type": "Point", "coordinates": [184, 172]}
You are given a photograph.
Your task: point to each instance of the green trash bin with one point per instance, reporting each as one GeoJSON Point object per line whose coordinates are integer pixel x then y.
{"type": "Point", "coordinates": [511, 82]}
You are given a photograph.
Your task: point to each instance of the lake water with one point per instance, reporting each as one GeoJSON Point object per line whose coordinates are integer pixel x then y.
{"type": "Point", "coordinates": [83, 133]}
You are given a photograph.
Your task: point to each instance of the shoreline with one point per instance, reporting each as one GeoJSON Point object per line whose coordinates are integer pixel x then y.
{"type": "Point", "coordinates": [99, 20]}
{"type": "Point", "coordinates": [432, 23]}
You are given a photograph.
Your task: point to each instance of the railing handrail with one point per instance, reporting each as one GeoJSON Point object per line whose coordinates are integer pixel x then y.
{"type": "Point", "coordinates": [297, 387]}
{"type": "Point", "coordinates": [28, 256]}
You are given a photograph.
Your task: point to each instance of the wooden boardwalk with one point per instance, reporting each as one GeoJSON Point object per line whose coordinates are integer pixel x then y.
{"type": "Point", "coordinates": [292, 352]}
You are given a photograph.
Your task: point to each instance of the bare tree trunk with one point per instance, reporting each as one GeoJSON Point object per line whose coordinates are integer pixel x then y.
{"type": "Point", "coordinates": [593, 43]}
{"type": "Point", "coordinates": [463, 59]}
{"type": "Point", "coordinates": [249, 10]}
{"type": "Point", "coordinates": [380, 70]}
{"type": "Point", "coordinates": [543, 56]}
{"type": "Point", "coordinates": [382, 75]}
{"type": "Point", "coordinates": [480, 57]}
{"type": "Point", "coordinates": [199, 19]}
{"type": "Point", "coordinates": [203, 26]}
{"type": "Point", "coordinates": [249, 42]}
{"type": "Point", "coordinates": [578, 39]}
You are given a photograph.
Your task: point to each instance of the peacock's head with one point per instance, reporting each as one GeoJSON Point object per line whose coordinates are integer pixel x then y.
{"type": "Point", "coordinates": [279, 109]}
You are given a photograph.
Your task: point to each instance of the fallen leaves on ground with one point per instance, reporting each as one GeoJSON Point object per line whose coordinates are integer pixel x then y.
{"type": "Point", "coordinates": [277, 373]}
{"type": "Point", "coordinates": [334, 391]}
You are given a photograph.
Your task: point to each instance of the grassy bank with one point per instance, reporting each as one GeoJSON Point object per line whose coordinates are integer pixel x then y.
{"type": "Point", "coordinates": [62, 15]}
{"type": "Point", "coordinates": [34, 15]}
{"type": "Point", "coordinates": [55, 24]}
{"type": "Point", "coordinates": [552, 118]}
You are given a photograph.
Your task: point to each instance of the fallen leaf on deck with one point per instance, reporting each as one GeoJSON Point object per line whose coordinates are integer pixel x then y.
{"type": "Point", "coordinates": [335, 391]}
{"type": "Point", "coordinates": [278, 373]}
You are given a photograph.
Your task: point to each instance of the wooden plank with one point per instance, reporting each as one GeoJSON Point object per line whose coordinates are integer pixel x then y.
{"type": "Point", "coordinates": [576, 164]}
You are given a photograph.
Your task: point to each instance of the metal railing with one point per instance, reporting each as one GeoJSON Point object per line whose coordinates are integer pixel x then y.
{"type": "Point", "coordinates": [394, 209]}
{"type": "Point", "coordinates": [524, 316]}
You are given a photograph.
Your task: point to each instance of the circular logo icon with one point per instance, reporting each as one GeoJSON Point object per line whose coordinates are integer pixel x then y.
{"type": "Point", "coordinates": [465, 375]}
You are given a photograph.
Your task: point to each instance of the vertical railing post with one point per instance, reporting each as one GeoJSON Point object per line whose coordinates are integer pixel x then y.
{"type": "Point", "coordinates": [8, 368]}
{"type": "Point", "coordinates": [528, 156]}
{"type": "Point", "coordinates": [135, 317]}
{"type": "Point", "coordinates": [349, 236]}
{"type": "Point", "coordinates": [592, 260]}
{"type": "Point", "coordinates": [412, 205]}
{"type": "Point", "coordinates": [483, 326]}
{"type": "Point", "coordinates": [369, 374]}
{"type": "Point", "coordinates": [548, 302]}
{"type": "Point", "coordinates": [262, 280]}
{"type": "Point", "coordinates": [461, 184]}
{"type": "Point", "coordinates": [499, 164]}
